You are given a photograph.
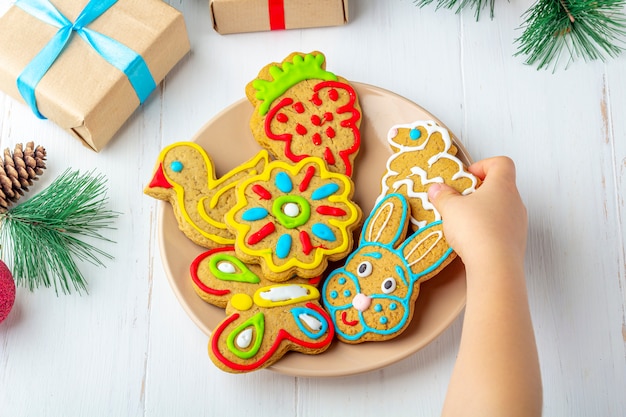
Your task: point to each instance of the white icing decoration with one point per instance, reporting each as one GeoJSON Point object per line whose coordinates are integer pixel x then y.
{"type": "Point", "coordinates": [226, 267]}
{"type": "Point", "coordinates": [430, 127]}
{"type": "Point", "coordinates": [284, 292]}
{"type": "Point", "coordinates": [313, 323]}
{"type": "Point", "coordinates": [244, 339]}
{"type": "Point", "coordinates": [437, 233]}
{"type": "Point", "coordinates": [389, 212]}
{"type": "Point", "coordinates": [291, 209]}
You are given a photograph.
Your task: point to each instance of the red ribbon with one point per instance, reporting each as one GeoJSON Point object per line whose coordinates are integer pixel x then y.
{"type": "Point", "coordinates": [277, 14]}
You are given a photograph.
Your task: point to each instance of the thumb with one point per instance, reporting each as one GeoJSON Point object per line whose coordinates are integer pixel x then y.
{"type": "Point", "coordinates": [440, 195]}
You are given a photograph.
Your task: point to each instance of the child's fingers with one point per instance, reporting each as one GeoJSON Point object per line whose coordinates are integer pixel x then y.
{"type": "Point", "coordinates": [440, 194]}
{"type": "Point", "coordinates": [499, 166]}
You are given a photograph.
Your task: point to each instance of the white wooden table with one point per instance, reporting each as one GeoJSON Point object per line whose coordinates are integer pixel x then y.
{"type": "Point", "coordinates": [129, 349]}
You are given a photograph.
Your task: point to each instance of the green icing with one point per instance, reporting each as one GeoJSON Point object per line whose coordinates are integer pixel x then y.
{"type": "Point", "coordinates": [302, 68]}
{"type": "Point", "coordinates": [258, 324]}
{"type": "Point", "coordinates": [241, 274]}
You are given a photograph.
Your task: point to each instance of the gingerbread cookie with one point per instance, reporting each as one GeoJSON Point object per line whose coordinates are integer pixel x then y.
{"type": "Point", "coordinates": [372, 298]}
{"type": "Point", "coordinates": [294, 219]}
{"type": "Point", "coordinates": [423, 154]}
{"type": "Point", "coordinates": [303, 110]}
{"type": "Point", "coordinates": [184, 176]}
{"type": "Point", "coordinates": [264, 320]}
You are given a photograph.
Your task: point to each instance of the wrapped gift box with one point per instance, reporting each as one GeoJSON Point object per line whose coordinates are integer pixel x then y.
{"type": "Point", "coordinates": [234, 16]}
{"type": "Point", "coordinates": [87, 90]}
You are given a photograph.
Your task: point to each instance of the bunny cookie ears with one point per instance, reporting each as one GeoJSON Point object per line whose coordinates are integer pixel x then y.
{"type": "Point", "coordinates": [372, 297]}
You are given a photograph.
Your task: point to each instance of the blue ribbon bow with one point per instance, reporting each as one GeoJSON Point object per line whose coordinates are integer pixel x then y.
{"type": "Point", "coordinates": [114, 52]}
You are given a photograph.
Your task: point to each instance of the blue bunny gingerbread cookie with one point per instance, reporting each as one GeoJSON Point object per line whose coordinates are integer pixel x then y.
{"type": "Point", "coordinates": [372, 297]}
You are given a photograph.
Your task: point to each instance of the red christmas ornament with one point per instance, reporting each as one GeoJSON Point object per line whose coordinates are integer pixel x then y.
{"type": "Point", "coordinates": [7, 291]}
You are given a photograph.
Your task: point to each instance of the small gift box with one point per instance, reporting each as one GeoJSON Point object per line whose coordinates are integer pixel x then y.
{"type": "Point", "coordinates": [233, 16]}
{"type": "Point", "coordinates": [88, 65]}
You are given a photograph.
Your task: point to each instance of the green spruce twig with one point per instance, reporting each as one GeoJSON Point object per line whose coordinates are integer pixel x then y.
{"type": "Point", "coordinates": [42, 237]}
{"type": "Point", "coordinates": [587, 29]}
{"type": "Point", "coordinates": [458, 5]}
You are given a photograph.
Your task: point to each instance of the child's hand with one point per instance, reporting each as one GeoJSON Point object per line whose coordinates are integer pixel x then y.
{"type": "Point", "coordinates": [489, 224]}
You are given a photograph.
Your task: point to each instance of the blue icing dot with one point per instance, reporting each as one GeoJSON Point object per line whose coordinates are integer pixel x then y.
{"type": "Point", "coordinates": [324, 191]}
{"type": "Point", "coordinates": [255, 213]}
{"type": "Point", "coordinates": [341, 281]}
{"type": "Point", "coordinates": [283, 182]}
{"type": "Point", "coordinates": [323, 232]}
{"type": "Point", "coordinates": [393, 306]}
{"type": "Point", "coordinates": [333, 294]}
{"type": "Point", "coordinates": [346, 293]}
{"type": "Point", "coordinates": [283, 246]}
{"type": "Point", "coordinates": [378, 308]}
{"type": "Point", "coordinates": [415, 134]}
{"type": "Point", "coordinates": [383, 320]}
{"type": "Point", "coordinates": [176, 166]}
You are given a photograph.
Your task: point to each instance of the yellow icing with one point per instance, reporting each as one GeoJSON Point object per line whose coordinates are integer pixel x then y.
{"type": "Point", "coordinates": [343, 196]}
{"type": "Point", "coordinates": [312, 294]}
{"type": "Point", "coordinates": [212, 184]}
{"type": "Point", "coordinates": [241, 302]}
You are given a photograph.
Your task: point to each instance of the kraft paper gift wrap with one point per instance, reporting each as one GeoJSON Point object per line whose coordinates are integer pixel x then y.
{"type": "Point", "coordinates": [89, 89]}
{"type": "Point", "coordinates": [234, 16]}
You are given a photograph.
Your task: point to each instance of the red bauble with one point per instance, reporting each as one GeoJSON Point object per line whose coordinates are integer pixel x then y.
{"type": "Point", "coordinates": [7, 291]}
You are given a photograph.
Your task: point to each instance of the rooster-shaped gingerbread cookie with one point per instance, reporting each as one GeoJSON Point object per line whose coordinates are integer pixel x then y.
{"type": "Point", "coordinates": [184, 176]}
{"type": "Point", "coordinates": [303, 110]}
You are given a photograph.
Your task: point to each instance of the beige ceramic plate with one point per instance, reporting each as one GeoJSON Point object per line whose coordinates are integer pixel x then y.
{"type": "Point", "coordinates": [228, 141]}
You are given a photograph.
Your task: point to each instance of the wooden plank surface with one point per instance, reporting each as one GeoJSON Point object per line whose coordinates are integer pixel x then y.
{"type": "Point", "coordinates": [129, 349]}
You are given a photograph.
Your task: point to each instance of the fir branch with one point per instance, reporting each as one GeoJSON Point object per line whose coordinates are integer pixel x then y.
{"type": "Point", "coordinates": [587, 29]}
{"type": "Point", "coordinates": [478, 5]}
{"type": "Point", "coordinates": [42, 237]}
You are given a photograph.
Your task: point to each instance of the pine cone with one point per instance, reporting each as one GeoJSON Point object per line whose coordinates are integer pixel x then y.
{"type": "Point", "coordinates": [18, 171]}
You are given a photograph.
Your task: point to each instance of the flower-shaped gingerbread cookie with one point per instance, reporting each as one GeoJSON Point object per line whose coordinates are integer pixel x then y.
{"type": "Point", "coordinates": [293, 219]}
{"type": "Point", "coordinates": [264, 320]}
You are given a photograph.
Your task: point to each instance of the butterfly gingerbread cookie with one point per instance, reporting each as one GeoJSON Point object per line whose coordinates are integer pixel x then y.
{"type": "Point", "coordinates": [264, 320]}
{"type": "Point", "coordinates": [424, 154]}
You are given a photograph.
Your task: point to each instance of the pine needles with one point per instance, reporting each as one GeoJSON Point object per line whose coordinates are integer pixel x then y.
{"type": "Point", "coordinates": [478, 5]}
{"type": "Point", "coordinates": [42, 237]}
{"type": "Point", "coordinates": [587, 29]}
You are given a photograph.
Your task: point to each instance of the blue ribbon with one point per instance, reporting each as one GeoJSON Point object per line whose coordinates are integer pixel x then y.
{"type": "Point", "coordinates": [115, 53]}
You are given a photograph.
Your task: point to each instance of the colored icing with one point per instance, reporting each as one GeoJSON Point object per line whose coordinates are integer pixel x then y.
{"type": "Point", "coordinates": [283, 246]}
{"type": "Point", "coordinates": [323, 232]}
{"type": "Point", "coordinates": [408, 271]}
{"type": "Point", "coordinates": [420, 175]}
{"type": "Point", "coordinates": [310, 321]}
{"type": "Point", "coordinates": [214, 186]}
{"type": "Point", "coordinates": [284, 294]}
{"type": "Point", "coordinates": [307, 67]}
{"type": "Point", "coordinates": [262, 192]}
{"type": "Point", "coordinates": [284, 134]}
{"type": "Point", "coordinates": [283, 182]}
{"type": "Point", "coordinates": [281, 336]}
{"type": "Point", "coordinates": [244, 339]}
{"type": "Point", "coordinates": [302, 211]}
{"type": "Point", "coordinates": [255, 213]}
{"type": "Point", "coordinates": [325, 191]}
{"type": "Point", "coordinates": [241, 302]}
{"type": "Point", "coordinates": [195, 265]}
{"type": "Point", "coordinates": [263, 232]}
{"type": "Point", "coordinates": [256, 322]}
{"type": "Point", "coordinates": [295, 213]}
{"type": "Point", "coordinates": [224, 266]}
{"type": "Point", "coordinates": [176, 166]}
{"type": "Point", "coordinates": [291, 209]}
